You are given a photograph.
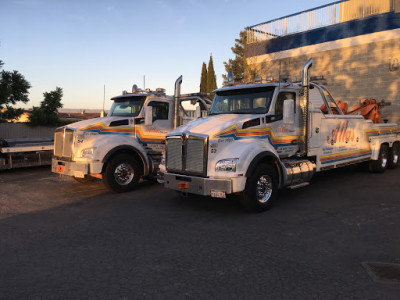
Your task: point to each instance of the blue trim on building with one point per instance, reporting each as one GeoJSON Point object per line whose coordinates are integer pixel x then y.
{"type": "Point", "coordinates": [331, 33]}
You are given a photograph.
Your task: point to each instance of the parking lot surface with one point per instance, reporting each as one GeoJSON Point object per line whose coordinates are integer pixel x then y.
{"type": "Point", "coordinates": [63, 240]}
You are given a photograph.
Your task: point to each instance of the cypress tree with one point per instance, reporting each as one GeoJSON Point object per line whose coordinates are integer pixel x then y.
{"type": "Point", "coordinates": [211, 79]}
{"type": "Point", "coordinates": [203, 79]}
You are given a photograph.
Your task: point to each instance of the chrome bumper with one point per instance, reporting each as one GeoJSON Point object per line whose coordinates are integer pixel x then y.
{"type": "Point", "coordinates": [70, 168]}
{"type": "Point", "coordinates": [197, 185]}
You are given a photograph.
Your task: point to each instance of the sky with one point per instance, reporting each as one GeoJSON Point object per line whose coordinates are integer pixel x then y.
{"type": "Point", "coordinates": [86, 47]}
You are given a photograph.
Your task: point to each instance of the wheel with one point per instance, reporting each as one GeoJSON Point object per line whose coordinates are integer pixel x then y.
{"type": "Point", "coordinates": [261, 189]}
{"type": "Point", "coordinates": [380, 165]}
{"type": "Point", "coordinates": [87, 179]}
{"type": "Point", "coordinates": [394, 156]}
{"type": "Point", "coordinates": [122, 173]}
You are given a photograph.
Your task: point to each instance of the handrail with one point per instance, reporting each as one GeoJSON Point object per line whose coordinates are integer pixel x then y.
{"type": "Point", "coordinates": [321, 16]}
{"type": "Point", "coordinates": [298, 13]}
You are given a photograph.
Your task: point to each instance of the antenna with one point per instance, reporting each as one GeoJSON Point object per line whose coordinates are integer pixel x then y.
{"type": "Point", "coordinates": [279, 77]}
{"type": "Point", "coordinates": [104, 99]}
{"type": "Point", "coordinates": [144, 82]}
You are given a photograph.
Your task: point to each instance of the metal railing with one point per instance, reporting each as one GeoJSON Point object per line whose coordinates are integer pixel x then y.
{"type": "Point", "coordinates": [333, 13]}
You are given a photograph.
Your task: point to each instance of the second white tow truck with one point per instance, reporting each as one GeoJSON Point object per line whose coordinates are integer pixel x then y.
{"type": "Point", "coordinates": [127, 144]}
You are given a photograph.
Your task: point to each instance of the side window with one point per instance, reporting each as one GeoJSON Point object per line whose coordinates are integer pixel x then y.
{"type": "Point", "coordinates": [160, 110]}
{"type": "Point", "coordinates": [279, 103]}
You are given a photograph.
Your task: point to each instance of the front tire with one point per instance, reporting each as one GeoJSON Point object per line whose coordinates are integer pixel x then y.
{"type": "Point", "coordinates": [261, 189]}
{"type": "Point", "coordinates": [380, 165]}
{"type": "Point", "coordinates": [122, 173]}
{"type": "Point", "coordinates": [394, 156]}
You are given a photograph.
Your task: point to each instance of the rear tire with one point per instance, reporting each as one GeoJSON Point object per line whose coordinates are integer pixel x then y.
{"type": "Point", "coordinates": [261, 189]}
{"type": "Point", "coordinates": [87, 179]}
{"type": "Point", "coordinates": [380, 165]}
{"type": "Point", "coordinates": [394, 154]}
{"type": "Point", "coordinates": [122, 173]}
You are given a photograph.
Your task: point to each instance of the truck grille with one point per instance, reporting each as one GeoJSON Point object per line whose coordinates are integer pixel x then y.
{"type": "Point", "coordinates": [187, 155]}
{"type": "Point", "coordinates": [63, 142]}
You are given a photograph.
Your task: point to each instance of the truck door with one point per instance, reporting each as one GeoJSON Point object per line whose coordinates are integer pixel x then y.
{"type": "Point", "coordinates": [316, 101]}
{"type": "Point", "coordinates": [154, 135]}
{"type": "Point", "coordinates": [284, 136]}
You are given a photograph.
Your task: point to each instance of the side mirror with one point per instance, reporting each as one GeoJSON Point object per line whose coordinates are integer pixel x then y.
{"type": "Point", "coordinates": [198, 112]}
{"type": "Point", "coordinates": [288, 112]}
{"type": "Point", "coordinates": [148, 116]}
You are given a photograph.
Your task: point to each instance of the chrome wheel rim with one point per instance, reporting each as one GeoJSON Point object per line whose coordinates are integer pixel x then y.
{"type": "Point", "coordinates": [124, 174]}
{"type": "Point", "coordinates": [395, 154]}
{"type": "Point", "coordinates": [395, 158]}
{"type": "Point", "coordinates": [384, 160]}
{"type": "Point", "coordinates": [264, 189]}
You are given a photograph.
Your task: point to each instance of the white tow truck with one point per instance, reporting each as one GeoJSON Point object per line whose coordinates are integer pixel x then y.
{"type": "Point", "coordinates": [264, 136]}
{"type": "Point", "coordinates": [127, 144]}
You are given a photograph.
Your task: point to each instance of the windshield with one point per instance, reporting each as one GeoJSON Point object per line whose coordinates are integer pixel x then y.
{"type": "Point", "coordinates": [129, 108]}
{"type": "Point", "coordinates": [246, 101]}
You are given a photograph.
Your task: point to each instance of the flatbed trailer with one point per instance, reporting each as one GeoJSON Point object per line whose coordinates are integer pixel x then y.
{"type": "Point", "coordinates": [25, 152]}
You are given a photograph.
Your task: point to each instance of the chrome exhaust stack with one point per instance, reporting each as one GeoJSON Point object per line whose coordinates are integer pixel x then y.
{"type": "Point", "coordinates": [305, 105]}
{"type": "Point", "coordinates": [177, 96]}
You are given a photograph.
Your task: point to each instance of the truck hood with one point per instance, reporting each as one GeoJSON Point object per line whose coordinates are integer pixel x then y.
{"type": "Point", "coordinates": [213, 125]}
{"type": "Point", "coordinates": [105, 121]}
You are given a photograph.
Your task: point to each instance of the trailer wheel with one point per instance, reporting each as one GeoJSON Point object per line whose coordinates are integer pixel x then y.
{"type": "Point", "coordinates": [122, 173]}
{"type": "Point", "coordinates": [380, 165]}
{"type": "Point", "coordinates": [86, 179]}
{"type": "Point", "coordinates": [394, 156]}
{"type": "Point", "coordinates": [261, 189]}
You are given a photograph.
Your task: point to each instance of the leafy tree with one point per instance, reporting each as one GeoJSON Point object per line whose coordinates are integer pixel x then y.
{"type": "Point", "coordinates": [203, 79]}
{"type": "Point", "coordinates": [46, 113]}
{"type": "Point", "coordinates": [238, 65]}
{"type": "Point", "coordinates": [211, 79]}
{"type": "Point", "coordinates": [13, 88]}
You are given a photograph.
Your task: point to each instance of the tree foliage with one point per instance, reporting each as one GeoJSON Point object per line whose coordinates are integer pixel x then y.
{"type": "Point", "coordinates": [211, 78]}
{"type": "Point", "coordinates": [203, 79]}
{"type": "Point", "coordinates": [46, 113]}
{"type": "Point", "coordinates": [13, 88]}
{"type": "Point", "coordinates": [238, 65]}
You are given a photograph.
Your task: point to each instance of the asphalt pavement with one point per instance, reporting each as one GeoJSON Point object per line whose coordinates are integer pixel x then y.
{"type": "Point", "coordinates": [63, 240]}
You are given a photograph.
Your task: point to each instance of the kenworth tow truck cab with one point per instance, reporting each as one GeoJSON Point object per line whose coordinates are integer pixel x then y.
{"type": "Point", "coordinates": [264, 136]}
{"type": "Point", "coordinates": [127, 144]}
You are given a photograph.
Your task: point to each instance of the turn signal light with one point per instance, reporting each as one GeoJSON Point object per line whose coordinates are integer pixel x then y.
{"type": "Point", "coordinates": [183, 186]}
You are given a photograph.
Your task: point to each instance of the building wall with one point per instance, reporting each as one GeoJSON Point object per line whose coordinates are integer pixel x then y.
{"type": "Point", "coordinates": [21, 130]}
{"type": "Point", "coordinates": [356, 67]}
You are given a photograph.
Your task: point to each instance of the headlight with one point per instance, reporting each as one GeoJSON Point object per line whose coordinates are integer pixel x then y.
{"type": "Point", "coordinates": [226, 165]}
{"type": "Point", "coordinates": [87, 153]}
